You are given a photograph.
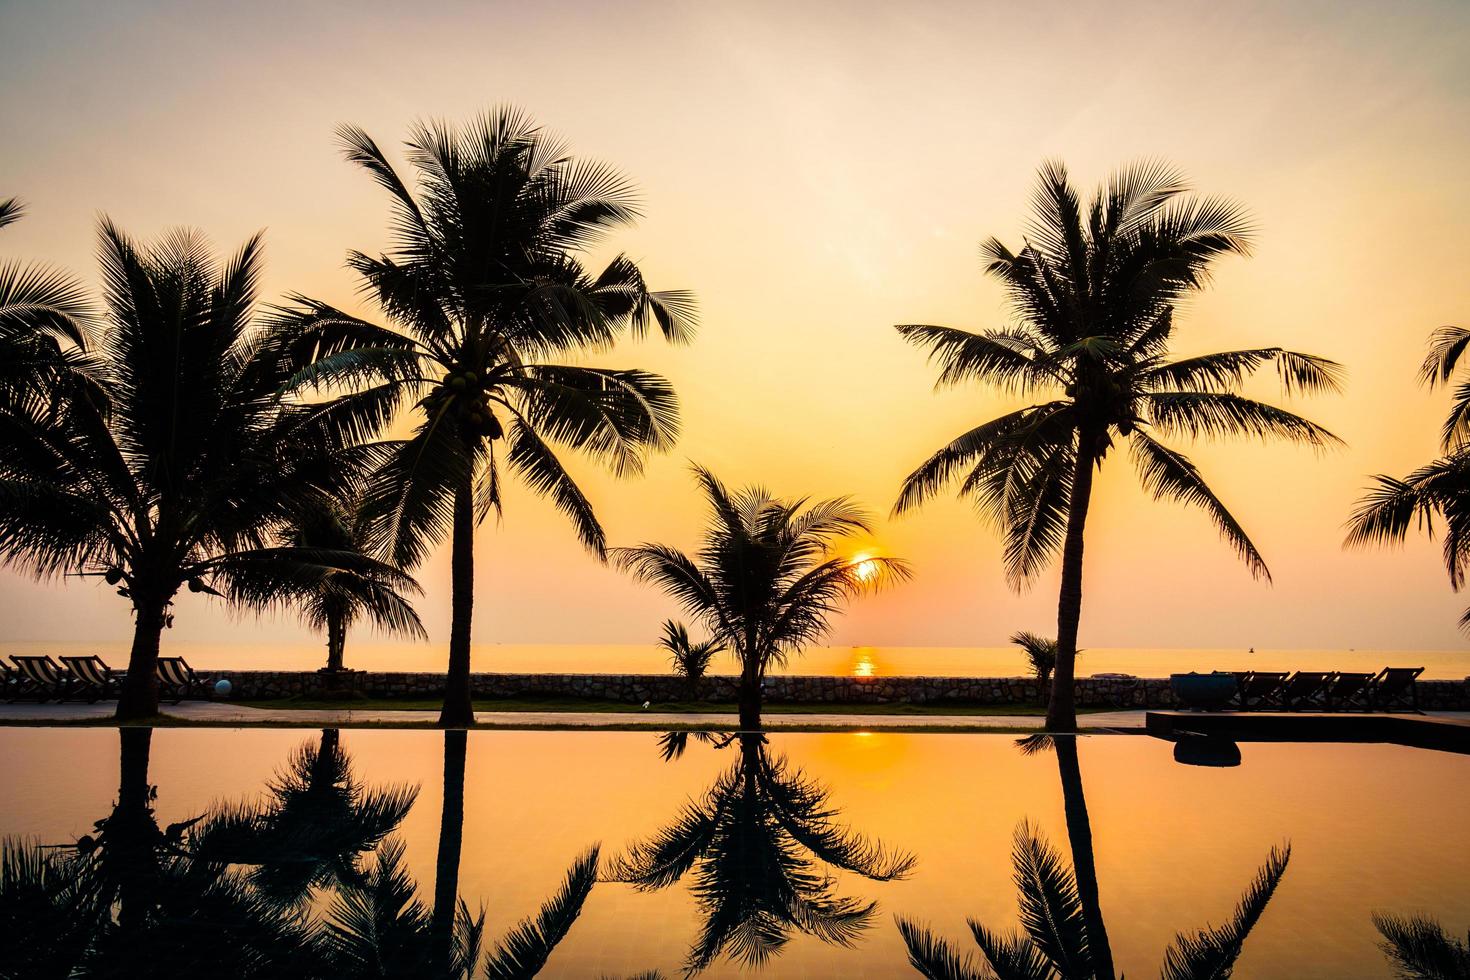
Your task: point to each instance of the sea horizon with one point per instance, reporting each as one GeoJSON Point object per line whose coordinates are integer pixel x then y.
{"type": "Point", "coordinates": [860, 661]}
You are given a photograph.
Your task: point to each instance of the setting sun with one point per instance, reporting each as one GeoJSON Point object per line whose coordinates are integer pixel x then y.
{"type": "Point", "coordinates": [864, 567]}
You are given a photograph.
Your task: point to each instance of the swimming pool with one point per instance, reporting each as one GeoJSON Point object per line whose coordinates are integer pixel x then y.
{"type": "Point", "coordinates": [792, 854]}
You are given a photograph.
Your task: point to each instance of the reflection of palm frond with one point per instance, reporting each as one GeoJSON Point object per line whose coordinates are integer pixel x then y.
{"type": "Point", "coordinates": [524, 951]}
{"type": "Point", "coordinates": [1054, 941]}
{"type": "Point", "coordinates": [1212, 952]}
{"type": "Point", "coordinates": [47, 917]}
{"type": "Point", "coordinates": [1421, 949]}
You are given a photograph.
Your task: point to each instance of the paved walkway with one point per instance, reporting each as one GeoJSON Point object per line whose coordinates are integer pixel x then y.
{"type": "Point", "coordinates": [214, 713]}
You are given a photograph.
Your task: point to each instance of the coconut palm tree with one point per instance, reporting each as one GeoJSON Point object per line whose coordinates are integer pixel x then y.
{"type": "Point", "coordinates": [766, 581]}
{"type": "Point", "coordinates": [1094, 295]}
{"type": "Point", "coordinates": [1041, 653]}
{"type": "Point", "coordinates": [190, 463]}
{"type": "Point", "coordinates": [689, 659]}
{"type": "Point", "coordinates": [1438, 489]}
{"type": "Point", "coordinates": [1421, 949]}
{"type": "Point", "coordinates": [46, 323]}
{"type": "Point", "coordinates": [486, 287]}
{"type": "Point", "coordinates": [760, 846]}
{"type": "Point", "coordinates": [342, 598]}
{"type": "Point", "coordinates": [1055, 941]}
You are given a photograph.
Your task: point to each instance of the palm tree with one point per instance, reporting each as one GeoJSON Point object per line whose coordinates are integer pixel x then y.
{"type": "Point", "coordinates": [766, 581]}
{"type": "Point", "coordinates": [1041, 654]}
{"type": "Point", "coordinates": [756, 845]}
{"type": "Point", "coordinates": [486, 282]}
{"type": "Point", "coordinates": [342, 597]}
{"type": "Point", "coordinates": [188, 462]}
{"type": "Point", "coordinates": [46, 324]}
{"type": "Point", "coordinates": [316, 823]}
{"type": "Point", "coordinates": [1421, 949]}
{"type": "Point", "coordinates": [1094, 297]}
{"type": "Point", "coordinates": [690, 660]}
{"type": "Point", "coordinates": [1440, 488]}
{"type": "Point", "coordinates": [1055, 941]}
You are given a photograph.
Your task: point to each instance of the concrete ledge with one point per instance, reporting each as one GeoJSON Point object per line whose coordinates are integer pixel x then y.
{"type": "Point", "coordinates": [1425, 731]}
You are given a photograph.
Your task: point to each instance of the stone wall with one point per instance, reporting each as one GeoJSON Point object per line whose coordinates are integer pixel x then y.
{"type": "Point", "coordinates": [1120, 692]}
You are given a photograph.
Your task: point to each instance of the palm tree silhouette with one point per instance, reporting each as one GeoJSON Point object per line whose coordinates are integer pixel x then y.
{"type": "Point", "coordinates": [765, 582]}
{"type": "Point", "coordinates": [341, 598]}
{"type": "Point", "coordinates": [1056, 940]}
{"type": "Point", "coordinates": [189, 462]}
{"type": "Point", "coordinates": [486, 282]}
{"type": "Point", "coordinates": [1441, 488]}
{"type": "Point", "coordinates": [315, 825]}
{"type": "Point", "coordinates": [1041, 654]}
{"type": "Point", "coordinates": [1094, 297]}
{"type": "Point", "coordinates": [689, 659]}
{"type": "Point", "coordinates": [760, 845]}
{"type": "Point", "coordinates": [1421, 949]}
{"type": "Point", "coordinates": [46, 326]}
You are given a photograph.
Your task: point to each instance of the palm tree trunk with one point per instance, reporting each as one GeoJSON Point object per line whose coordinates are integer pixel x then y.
{"type": "Point", "coordinates": [1061, 713]}
{"type": "Point", "coordinates": [451, 841]}
{"type": "Point", "coordinates": [336, 640]}
{"type": "Point", "coordinates": [748, 698]}
{"type": "Point", "coordinates": [1079, 833]}
{"type": "Point", "coordinates": [139, 696]}
{"type": "Point", "coordinates": [458, 710]}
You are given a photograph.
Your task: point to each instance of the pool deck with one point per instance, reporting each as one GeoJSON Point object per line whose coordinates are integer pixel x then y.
{"type": "Point", "coordinates": [1448, 730]}
{"type": "Point", "coordinates": [216, 714]}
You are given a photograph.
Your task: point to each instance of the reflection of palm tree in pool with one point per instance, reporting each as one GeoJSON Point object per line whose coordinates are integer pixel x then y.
{"type": "Point", "coordinates": [317, 822]}
{"type": "Point", "coordinates": [755, 844]}
{"type": "Point", "coordinates": [1056, 940]}
{"type": "Point", "coordinates": [136, 900]}
{"type": "Point", "coordinates": [1066, 935]}
{"type": "Point", "coordinates": [1079, 836]}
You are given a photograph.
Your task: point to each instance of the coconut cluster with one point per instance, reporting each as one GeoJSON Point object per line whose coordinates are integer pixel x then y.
{"type": "Point", "coordinates": [467, 402]}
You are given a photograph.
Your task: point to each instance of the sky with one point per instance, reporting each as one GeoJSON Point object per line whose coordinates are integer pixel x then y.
{"type": "Point", "coordinates": [817, 173]}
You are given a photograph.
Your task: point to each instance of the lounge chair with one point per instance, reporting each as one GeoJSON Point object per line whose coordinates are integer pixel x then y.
{"type": "Point", "coordinates": [1394, 687]}
{"type": "Point", "coordinates": [9, 680]}
{"type": "Point", "coordinates": [1349, 690]}
{"type": "Point", "coordinates": [41, 679]}
{"type": "Point", "coordinates": [177, 680]}
{"type": "Point", "coordinates": [91, 679]}
{"type": "Point", "coordinates": [1306, 689]}
{"type": "Point", "coordinates": [1260, 689]}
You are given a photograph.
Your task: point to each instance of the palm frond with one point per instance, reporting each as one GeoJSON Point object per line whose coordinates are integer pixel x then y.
{"type": "Point", "coordinates": [1212, 952]}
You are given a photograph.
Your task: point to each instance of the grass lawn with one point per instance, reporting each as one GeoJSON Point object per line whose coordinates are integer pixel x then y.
{"type": "Point", "coordinates": [679, 707]}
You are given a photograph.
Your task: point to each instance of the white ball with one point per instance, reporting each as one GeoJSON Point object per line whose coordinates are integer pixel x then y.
{"type": "Point", "coordinates": [222, 687]}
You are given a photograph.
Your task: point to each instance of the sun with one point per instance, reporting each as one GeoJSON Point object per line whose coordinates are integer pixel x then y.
{"type": "Point", "coordinates": [864, 567]}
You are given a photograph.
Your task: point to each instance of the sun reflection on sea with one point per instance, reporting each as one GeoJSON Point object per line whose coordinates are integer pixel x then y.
{"type": "Point", "coordinates": [862, 662]}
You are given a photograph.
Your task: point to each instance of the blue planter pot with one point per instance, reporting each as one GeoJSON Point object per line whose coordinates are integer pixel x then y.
{"type": "Point", "coordinates": [1203, 692]}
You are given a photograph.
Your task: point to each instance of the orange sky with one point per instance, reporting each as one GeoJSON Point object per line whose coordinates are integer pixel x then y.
{"type": "Point", "coordinates": [818, 173]}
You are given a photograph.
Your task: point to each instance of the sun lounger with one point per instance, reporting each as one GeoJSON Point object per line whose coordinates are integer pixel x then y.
{"type": "Point", "coordinates": [41, 679]}
{"type": "Point", "coordinates": [1260, 689]}
{"type": "Point", "coordinates": [90, 680]}
{"type": "Point", "coordinates": [1394, 688]}
{"type": "Point", "coordinates": [1306, 689]}
{"type": "Point", "coordinates": [1349, 690]}
{"type": "Point", "coordinates": [177, 680]}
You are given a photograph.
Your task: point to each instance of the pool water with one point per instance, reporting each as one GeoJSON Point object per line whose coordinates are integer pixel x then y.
{"type": "Point", "coordinates": [731, 852]}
